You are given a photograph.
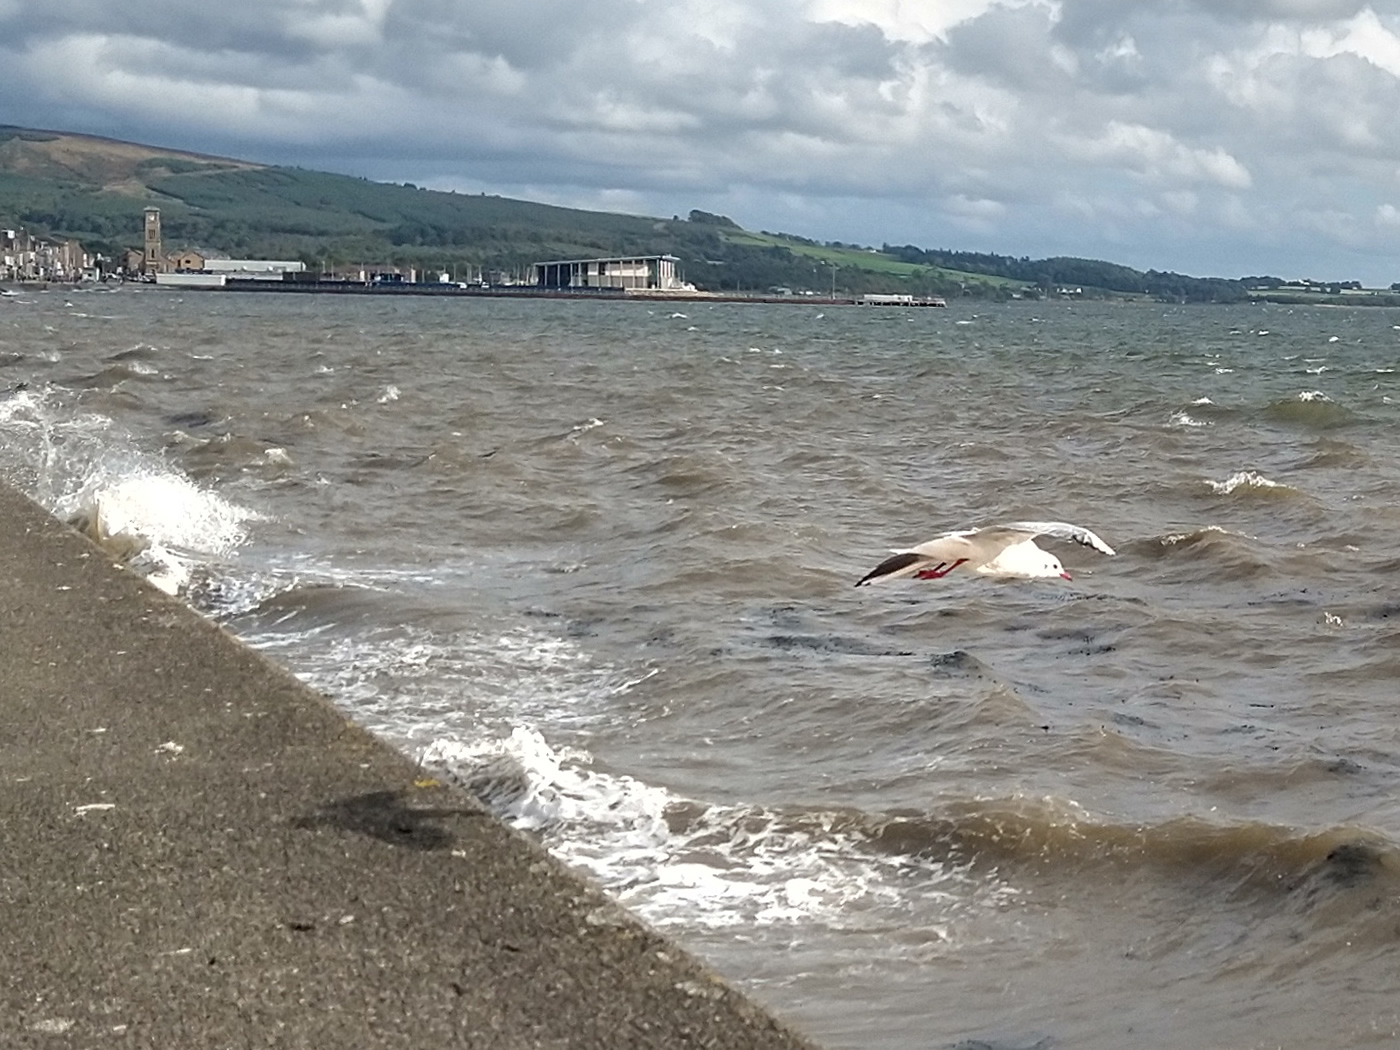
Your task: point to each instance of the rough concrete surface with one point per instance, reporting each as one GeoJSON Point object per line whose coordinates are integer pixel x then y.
{"type": "Point", "coordinates": [198, 851]}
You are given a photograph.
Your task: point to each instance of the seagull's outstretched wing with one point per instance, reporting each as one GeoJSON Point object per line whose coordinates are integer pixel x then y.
{"type": "Point", "coordinates": [1059, 530]}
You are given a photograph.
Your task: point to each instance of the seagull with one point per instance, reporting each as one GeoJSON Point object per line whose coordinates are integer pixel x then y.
{"type": "Point", "coordinates": [995, 550]}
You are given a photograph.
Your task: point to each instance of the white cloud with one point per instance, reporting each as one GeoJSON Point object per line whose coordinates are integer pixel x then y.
{"type": "Point", "coordinates": [907, 20]}
{"type": "Point", "coordinates": [1365, 36]}
{"type": "Point", "coordinates": [1158, 155]}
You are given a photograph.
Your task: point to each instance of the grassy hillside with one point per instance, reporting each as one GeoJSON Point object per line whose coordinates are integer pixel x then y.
{"type": "Point", "coordinates": [94, 189]}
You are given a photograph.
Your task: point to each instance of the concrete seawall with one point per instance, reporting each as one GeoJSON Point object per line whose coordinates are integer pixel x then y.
{"type": "Point", "coordinates": [198, 851]}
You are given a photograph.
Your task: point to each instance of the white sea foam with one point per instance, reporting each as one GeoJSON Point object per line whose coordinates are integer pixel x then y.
{"type": "Point", "coordinates": [678, 861]}
{"type": "Point", "coordinates": [173, 524]}
{"type": "Point", "coordinates": [1312, 395]}
{"type": "Point", "coordinates": [1184, 419]}
{"type": "Point", "coordinates": [1246, 479]}
{"type": "Point", "coordinates": [76, 464]}
{"type": "Point", "coordinates": [390, 393]}
{"type": "Point", "coordinates": [412, 684]}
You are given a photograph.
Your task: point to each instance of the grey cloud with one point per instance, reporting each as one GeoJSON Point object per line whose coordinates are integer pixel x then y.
{"type": "Point", "coordinates": [1008, 46]}
{"type": "Point", "coordinates": [1282, 10]}
{"type": "Point", "coordinates": [1125, 124]}
{"type": "Point", "coordinates": [252, 27]}
{"type": "Point", "coordinates": [537, 37]}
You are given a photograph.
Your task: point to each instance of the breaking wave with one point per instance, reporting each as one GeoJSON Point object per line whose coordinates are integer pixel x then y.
{"type": "Point", "coordinates": [679, 860]}
{"type": "Point", "coordinates": [1309, 408]}
{"type": "Point", "coordinates": [1249, 482]}
{"type": "Point", "coordinates": [147, 513]}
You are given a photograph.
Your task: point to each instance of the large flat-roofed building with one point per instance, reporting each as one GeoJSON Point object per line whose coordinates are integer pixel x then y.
{"type": "Point", "coordinates": [636, 273]}
{"type": "Point", "coordinates": [255, 269]}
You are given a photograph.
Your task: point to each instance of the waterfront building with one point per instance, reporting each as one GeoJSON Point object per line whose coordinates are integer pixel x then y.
{"type": "Point", "coordinates": [24, 257]}
{"type": "Point", "coordinates": [656, 273]}
{"type": "Point", "coordinates": [185, 261]}
{"type": "Point", "coordinates": [253, 269]}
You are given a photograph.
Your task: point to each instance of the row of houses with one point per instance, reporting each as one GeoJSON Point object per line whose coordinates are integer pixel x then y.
{"type": "Point", "coordinates": [25, 257]}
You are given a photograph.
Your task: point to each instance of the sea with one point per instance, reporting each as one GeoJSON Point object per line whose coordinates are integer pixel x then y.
{"type": "Point", "coordinates": [594, 561]}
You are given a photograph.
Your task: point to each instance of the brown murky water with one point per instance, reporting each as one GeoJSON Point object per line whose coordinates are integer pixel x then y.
{"type": "Point", "coordinates": [597, 559]}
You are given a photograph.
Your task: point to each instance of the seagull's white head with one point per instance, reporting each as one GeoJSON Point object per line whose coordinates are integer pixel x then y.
{"type": "Point", "coordinates": [1053, 567]}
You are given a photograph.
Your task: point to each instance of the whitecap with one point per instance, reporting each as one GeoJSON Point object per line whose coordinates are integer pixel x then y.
{"type": "Point", "coordinates": [1247, 479]}
{"type": "Point", "coordinates": [1182, 419]}
{"type": "Point", "coordinates": [1173, 538]}
{"type": "Point", "coordinates": [1312, 395]}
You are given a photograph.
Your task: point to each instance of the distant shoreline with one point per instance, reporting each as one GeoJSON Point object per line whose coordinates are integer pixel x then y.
{"type": "Point", "coordinates": [1368, 299]}
{"type": "Point", "coordinates": [453, 291]}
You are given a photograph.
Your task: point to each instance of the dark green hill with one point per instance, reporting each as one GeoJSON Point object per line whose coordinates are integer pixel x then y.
{"type": "Point", "coordinates": [94, 189]}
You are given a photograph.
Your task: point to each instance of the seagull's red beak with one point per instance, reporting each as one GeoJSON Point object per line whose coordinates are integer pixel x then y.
{"type": "Point", "coordinates": [1066, 576]}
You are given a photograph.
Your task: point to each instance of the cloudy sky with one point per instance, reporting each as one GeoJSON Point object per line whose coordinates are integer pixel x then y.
{"type": "Point", "coordinates": [1210, 137]}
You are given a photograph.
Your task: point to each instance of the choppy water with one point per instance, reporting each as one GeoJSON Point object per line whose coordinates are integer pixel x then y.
{"type": "Point", "coordinates": [596, 559]}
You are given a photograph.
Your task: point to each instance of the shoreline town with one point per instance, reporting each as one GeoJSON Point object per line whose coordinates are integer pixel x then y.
{"type": "Point", "coordinates": [24, 258]}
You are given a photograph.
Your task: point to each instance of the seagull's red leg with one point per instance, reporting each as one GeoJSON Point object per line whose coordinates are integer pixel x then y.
{"type": "Point", "coordinates": [939, 571]}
